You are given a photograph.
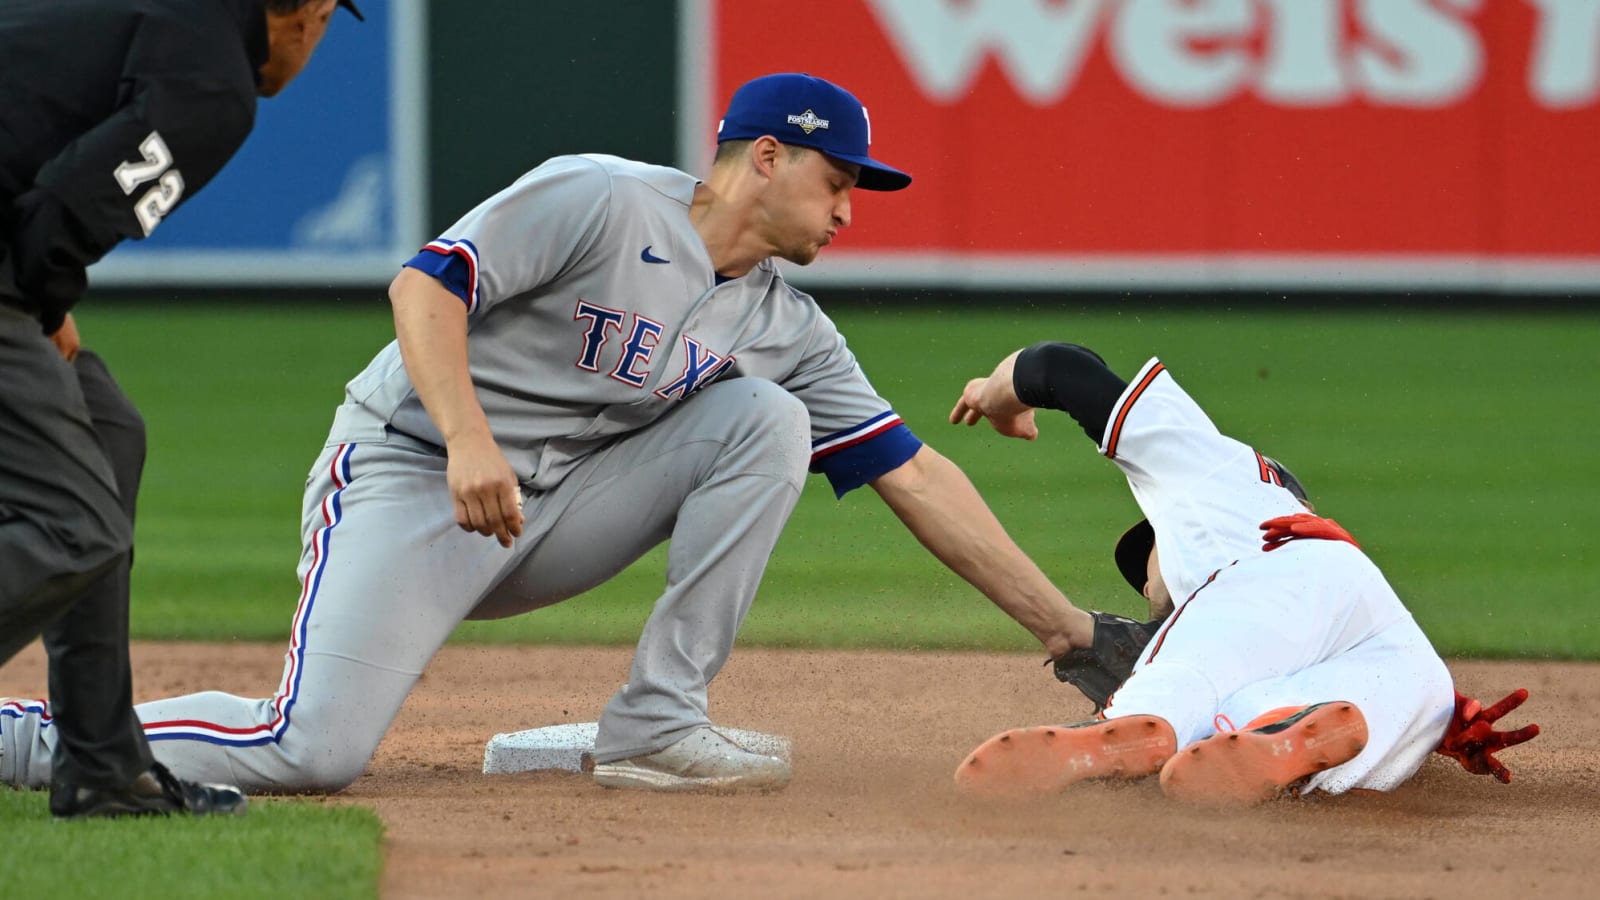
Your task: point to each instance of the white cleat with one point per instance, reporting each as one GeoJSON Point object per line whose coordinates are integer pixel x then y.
{"type": "Point", "coordinates": [706, 760]}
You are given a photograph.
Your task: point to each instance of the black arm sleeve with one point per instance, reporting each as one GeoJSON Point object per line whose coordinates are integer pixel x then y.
{"type": "Point", "coordinates": [1073, 379]}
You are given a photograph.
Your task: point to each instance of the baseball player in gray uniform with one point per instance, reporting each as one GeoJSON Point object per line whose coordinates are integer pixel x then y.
{"type": "Point", "coordinates": [599, 358]}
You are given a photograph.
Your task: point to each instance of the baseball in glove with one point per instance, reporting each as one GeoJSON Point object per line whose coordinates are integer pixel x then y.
{"type": "Point", "coordinates": [1099, 670]}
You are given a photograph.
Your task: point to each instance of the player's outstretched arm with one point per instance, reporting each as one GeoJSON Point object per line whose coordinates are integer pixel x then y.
{"type": "Point", "coordinates": [431, 324]}
{"type": "Point", "coordinates": [937, 502]}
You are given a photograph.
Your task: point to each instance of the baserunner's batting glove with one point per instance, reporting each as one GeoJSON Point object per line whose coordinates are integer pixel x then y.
{"type": "Point", "coordinates": [1472, 741]}
{"type": "Point", "coordinates": [1283, 529]}
{"type": "Point", "coordinates": [1099, 670]}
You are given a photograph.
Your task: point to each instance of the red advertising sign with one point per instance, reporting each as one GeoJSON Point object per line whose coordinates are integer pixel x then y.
{"type": "Point", "coordinates": [1197, 142]}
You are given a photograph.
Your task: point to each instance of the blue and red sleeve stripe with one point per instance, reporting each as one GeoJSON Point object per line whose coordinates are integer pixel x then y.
{"type": "Point", "coordinates": [453, 264]}
{"type": "Point", "coordinates": [860, 454]}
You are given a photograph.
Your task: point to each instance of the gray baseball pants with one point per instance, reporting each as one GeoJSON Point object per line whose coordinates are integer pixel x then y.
{"type": "Point", "coordinates": [386, 575]}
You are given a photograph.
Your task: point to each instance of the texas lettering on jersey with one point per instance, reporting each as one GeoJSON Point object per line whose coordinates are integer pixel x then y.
{"type": "Point", "coordinates": [701, 365]}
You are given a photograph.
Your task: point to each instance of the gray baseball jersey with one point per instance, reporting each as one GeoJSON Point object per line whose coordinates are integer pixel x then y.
{"type": "Point", "coordinates": [603, 348]}
{"type": "Point", "coordinates": [597, 328]}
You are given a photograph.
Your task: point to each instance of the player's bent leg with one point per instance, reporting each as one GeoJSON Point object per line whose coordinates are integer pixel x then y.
{"type": "Point", "coordinates": [1254, 765]}
{"type": "Point", "coordinates": [375, 605]}
{"type": "Point", "coordinates": [718, 476]}
{"type": "Point", "coordinates": [321, 746]}
{"type": "Point", "coordinates": [1254, 624]}
{"type": "Point", "coordinates": [726, 528]}
{"type": "Point", "coordinates": [1047, 759]}
{"type": "Point", "coordinates": [385, 576]}
{"type": "Point", "coordinates": [1406, 722]}
{"type": "Point", "coordinates": [1402, 688]}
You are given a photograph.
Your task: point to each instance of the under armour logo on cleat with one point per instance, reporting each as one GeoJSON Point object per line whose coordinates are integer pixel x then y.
{"type": "Point", "coordinates": [649, 257]}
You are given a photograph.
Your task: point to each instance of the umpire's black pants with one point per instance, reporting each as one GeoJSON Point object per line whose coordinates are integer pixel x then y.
{"type": "Point", "coordinates": [66, 537]}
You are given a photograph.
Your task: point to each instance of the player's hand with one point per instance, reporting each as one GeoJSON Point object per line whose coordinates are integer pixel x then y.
{"type": "Point", "coordinates": [1283, 529]}
{"type": "Point", "coordinates": [1100, 667]}
{"type": "Point", "coordinates": [974, 406]}
{"type": "Point", "coordinates": [484, 488]}
{"type": "Point", "coordinates": [1472, 741]}
{"type": "Point", "coordinates": [66, 339]}
{"type": "Point", "coordinates": [994, 398]}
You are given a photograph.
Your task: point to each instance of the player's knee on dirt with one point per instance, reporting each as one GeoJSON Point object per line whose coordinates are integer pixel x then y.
{"type": "Point", "coordinates": [330, 767]}
{"type": "Point", "coordinates": [331, 744]}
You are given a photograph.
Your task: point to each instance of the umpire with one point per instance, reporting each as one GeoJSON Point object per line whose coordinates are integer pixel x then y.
{"type": "Point", "coordinates": [112, 112]}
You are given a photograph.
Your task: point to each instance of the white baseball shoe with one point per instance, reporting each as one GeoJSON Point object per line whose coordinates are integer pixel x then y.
{"type": "Point", "coordinates": [706, 760]}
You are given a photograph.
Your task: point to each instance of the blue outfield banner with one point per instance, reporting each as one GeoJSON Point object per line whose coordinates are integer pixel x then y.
{"type": "Point", "coordinates": [329, 189]}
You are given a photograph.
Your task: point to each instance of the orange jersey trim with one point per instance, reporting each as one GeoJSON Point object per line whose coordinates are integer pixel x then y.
{"type": "Point", "coordinates": [1122, 414]}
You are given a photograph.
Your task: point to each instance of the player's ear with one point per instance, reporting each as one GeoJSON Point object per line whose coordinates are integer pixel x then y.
{"type": "Point", "coordinates": [764, 152]}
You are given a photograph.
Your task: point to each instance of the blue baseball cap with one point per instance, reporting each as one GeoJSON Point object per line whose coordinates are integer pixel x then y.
{"type": "Point", "coordinates": [809, 112]}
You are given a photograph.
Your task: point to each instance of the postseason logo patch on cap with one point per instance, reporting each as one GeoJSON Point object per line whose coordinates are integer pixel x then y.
{"type": "Point", "coordinates": [808, 122]}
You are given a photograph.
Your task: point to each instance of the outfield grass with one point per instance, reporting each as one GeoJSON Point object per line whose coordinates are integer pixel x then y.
{"type": "Point", "coordinates": [283, 848]}
{"type": "Point", "coordinates": [1457, 445]}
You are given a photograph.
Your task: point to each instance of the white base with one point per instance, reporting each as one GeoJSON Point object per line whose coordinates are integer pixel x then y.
{"type": "Point", "coordinates": [561, 748]}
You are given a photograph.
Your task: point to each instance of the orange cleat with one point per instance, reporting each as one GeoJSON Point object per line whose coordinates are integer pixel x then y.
{"type": "Point", "coordinates": [1245, 767]}
{"type": "Point", "coordinates": [1026, 762]}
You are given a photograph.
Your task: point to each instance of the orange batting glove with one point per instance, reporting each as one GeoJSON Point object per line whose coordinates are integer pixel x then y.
{"type": "Point", "coordinates": [1472, 741]}
{"type": "Point", "coordinates": [1284, 529]}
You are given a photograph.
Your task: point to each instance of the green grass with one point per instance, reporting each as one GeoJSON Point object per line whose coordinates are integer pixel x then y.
{"type": "Point", "coordinates": [283, 848]}
{"type": "Point", "coordinates": [1459, 446]}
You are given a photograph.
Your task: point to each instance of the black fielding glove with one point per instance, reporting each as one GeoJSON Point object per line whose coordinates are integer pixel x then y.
{"type": "Point", "coordinates": [1099, 670]}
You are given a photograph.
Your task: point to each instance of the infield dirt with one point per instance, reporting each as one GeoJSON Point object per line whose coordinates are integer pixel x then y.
{"type": "Point", "coordinates": [872, 811]}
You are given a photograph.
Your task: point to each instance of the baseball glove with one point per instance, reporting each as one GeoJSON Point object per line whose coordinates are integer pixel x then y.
{"type": "Point", "coordinates": [1099, 670]}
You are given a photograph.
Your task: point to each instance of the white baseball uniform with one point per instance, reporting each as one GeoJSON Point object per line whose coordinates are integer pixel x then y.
{"type": "Point", "coordinates": [638, 395]}
{"type": "Point", "coordinates": [1252, 631]}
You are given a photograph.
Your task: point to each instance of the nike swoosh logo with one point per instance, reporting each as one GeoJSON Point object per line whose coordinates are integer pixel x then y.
{"type": "Point", "coordinates": [649, 257]}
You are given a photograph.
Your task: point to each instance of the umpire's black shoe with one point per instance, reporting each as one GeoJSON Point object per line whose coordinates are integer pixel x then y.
{"type": "Point", "coordinates": [156, 792]}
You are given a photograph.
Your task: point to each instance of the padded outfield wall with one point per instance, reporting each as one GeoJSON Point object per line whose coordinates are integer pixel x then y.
{"type": "Point", "coordinates": [1311, 146]}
